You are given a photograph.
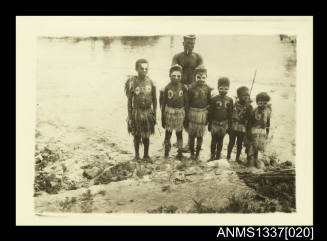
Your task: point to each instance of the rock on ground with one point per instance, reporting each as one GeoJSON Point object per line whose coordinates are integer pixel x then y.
{"type": "Point", "coordinates": [222, 163]}
{"type": "Point", "coordinates": [116, 173]}
{"type": "Point", "coordinates": [92, 172]}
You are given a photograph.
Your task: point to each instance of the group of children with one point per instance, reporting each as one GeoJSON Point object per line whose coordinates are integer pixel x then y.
{"type": "Point", "coordinates": [191, 107]}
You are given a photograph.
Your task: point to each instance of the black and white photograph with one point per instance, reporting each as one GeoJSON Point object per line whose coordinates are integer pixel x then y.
{"type": "Point", "coordinates": [181, 122]}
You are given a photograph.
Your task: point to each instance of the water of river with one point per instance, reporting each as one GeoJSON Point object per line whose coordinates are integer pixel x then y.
{"type": "Point", "coordinates": [80, 81]}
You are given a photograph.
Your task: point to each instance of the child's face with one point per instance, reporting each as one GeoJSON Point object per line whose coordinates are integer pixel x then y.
{"type": "Point", "coordinates": [262, 103]}
{"type": "Point", "coordinates": [200, 78]}
{"type": "Point", "coordinates": [176, 76]}
{"type": "Point", "coordinates": [143, 69]}
{"type": "Point", "coordinates": [245, 98]}
{"type": "Point", "coordinates": [223, 89]}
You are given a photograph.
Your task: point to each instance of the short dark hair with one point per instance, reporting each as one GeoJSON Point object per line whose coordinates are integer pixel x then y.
{"type": "Point", "coordinates": [140, 61]}
{"type": "Point", "coordinates": [263, 96]}
{"type": "Point", "coordinates": [176, 67]}
{"type": "Point", "coordinates": [243, 90]}
{"type": "Point", "coordinates": [223, 81]}
{"type": "Point", "coordinates": [200, 69]}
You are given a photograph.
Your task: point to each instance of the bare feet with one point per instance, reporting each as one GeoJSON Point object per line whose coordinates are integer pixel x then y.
{"type": "Point", "coordinates": [147, 159]}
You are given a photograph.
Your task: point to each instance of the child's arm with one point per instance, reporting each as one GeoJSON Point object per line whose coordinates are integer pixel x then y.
{"type": "Point", "coordinates": [164, 99]}
{"type": "Point", "coordinates": [186, 101]}
{"type": "Point", "coordinates": [130, 109]}
{"type": "Point", "coordinates": [189, 95]}
{"type": "Point", "coordinates": [249, 123]}
{"type": "Point", "coordinates": [186, 106]}
{"type": "Point", "coordinates": [210, 111]}
{"type": "Point", "coordinates": [161, 93]}
{"type": "Point", "coordinates": [209, 106]}
{"type": "Point", "coordinates": [128, 85]}
{"type": "Point", "coordinates": [209, 95]}
{"type": "Point", "coordinates": [129, 104]}
{"type": "Point", "coordinates": [247, 115]}
{"type": "Point", "coordinates": [268, 125]}
{"type": "Point", "coordinates": [230, 113]}
{"type": "Point", "coordinates": [154, 102]}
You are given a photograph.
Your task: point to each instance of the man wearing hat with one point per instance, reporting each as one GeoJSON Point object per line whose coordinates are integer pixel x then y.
{"type": "Point", "coordinates": [189, 60]}
{"type": "Point", "coordinates": [240, 118]}
{"type": "Point", "coordinates": [174, 109]}
{"type": "Point", "coordinates": [142, 108]}
{"type": "Point", "coordinates": [258, 129]}
{"type": "Point", "coordinates": [199, 99]}
{"type": "Point", "coordinates": [219, 117]}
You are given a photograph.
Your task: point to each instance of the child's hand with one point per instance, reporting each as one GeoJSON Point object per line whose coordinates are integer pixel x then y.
{"type": "Point", "coordinates": [228, 131]}
{"type": "Point", "coordinates": [185, 123]}
{"type": "Point", "coordinates": [163, 122]}
{"type": "Point", "coordinates": [248, 135]}
{"type": "Point", "coordinates": [129, 125]}
{"type": "Point", "coordinates": [154, 118]}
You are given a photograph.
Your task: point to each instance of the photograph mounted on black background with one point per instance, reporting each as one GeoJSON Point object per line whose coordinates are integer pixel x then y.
{"type": "Point", "coordinates": [206, 117]}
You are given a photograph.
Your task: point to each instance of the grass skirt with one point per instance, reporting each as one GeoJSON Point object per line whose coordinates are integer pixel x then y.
{"type": "Point", "coordinates": [174, 118]}
{"type": "Point", "coordinates": [219, 127]}
{"type": "Point", "coordinates": [236, 126]}
{"type": "Point", "coordinates": [142, 123]}
{"type": "Point", "coordinates": [258, 141]}
{"type": "Point", "coordinates": [197, 121]}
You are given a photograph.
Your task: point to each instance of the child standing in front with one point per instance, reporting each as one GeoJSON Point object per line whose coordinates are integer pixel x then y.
{"type": "Point", "coordinates": [240, 119]}
{"type": "Point", "coordinates": [199, 99]}
{"type": "Point", "coordinates": [258, 129]}
{"type": "Point", "coordinates": [174, 109]}
{"type": "Point", "coordinates": [219, 117]}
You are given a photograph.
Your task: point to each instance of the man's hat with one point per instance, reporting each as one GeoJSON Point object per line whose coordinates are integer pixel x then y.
{"type": "Point", "coordinates": [189, 36]}
{"type": "Point", "coordinates": [200, 69]}
{"type": "Point", "coordinates": [263, 96]}
{"type": "Point", "coordinates": [241, 91]}
{"type": "Point", "coordinates": [223, 81]}
{"type": "Point", "coordinates": [175, 67]}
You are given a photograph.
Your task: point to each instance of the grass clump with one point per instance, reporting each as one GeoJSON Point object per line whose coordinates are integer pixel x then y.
{"type": "Point", "coordinates": [164, 209]}
{"type": "Point", "coordinates": [87, 202]}
{"type": "Point", "coordinates": [48, 183]}
{"type": "Point", "coordinates": [65, 206]}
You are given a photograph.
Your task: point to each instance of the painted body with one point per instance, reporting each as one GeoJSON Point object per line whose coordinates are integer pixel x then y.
{"type": "Point", "coordinates": [189, 62]}
{"type": "Point", "coordinates": [174, 109]}
{"type": "Point", "coordinates": [142, 108]}
{"type": "Point", "coordinates": [258, 126]}
{"type": "Point", "coordinates": [240, 119]}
